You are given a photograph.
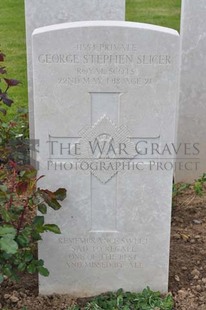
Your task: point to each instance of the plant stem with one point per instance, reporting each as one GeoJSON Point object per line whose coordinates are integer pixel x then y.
{"type": "Point", "coordinates": [12, 189]}
{"type": "Point", "coordinates": [21, 220]}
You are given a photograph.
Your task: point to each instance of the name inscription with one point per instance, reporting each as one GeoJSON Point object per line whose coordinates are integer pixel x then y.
{"type": "Point", "coordinates": [104, 59]}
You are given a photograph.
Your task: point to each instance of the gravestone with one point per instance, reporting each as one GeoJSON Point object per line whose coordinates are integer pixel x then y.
{"type": "Point", "coordinates": [41, 13]}
{"type": "Point", "coordinates": [192, 108]}
{"type": "Point", "coordinates": [104, 94]}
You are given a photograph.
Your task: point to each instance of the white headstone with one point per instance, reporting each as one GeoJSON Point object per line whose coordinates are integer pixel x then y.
{"type": "Point", "coordinates": [103, 92]}
{"type": "Point", "coordinates": [192, 110]}
{"type": "Point", "coordinates": [41, 13]}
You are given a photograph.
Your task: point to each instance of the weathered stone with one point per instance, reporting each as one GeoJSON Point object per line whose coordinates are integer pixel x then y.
{"type": "Point", "coordinates": [104, 92]}
{"type": "Point", "coordinates": [192, 109]}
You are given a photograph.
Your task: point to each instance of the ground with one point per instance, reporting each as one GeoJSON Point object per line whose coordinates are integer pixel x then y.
{"type": "Point", "coordinates": [188, 251]}
{"type": "Point", "coordinates": [187, 280]}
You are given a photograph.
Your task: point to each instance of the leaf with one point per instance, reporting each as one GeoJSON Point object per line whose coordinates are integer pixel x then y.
{"type": "Point", "coordinates": [21, 267]}
{"type": "Point", "coordinates": [53, 203]}
{"type": "Point", "coordinates": [23, 240]}
{"type": "Point", "coordinates": [30, 174]}
{"type": "Point", "coordinates": [43, 271]}
{"type": "Point", "coordinates": [47, 195]}
{"type": "Point", "coordinates": [42, 208]}
{"type": "Point", "coordinates": [21, 187]}
{"type": "Point", "coordinates": [31, 268]}
{"type": "Point", "coordinates": [119, 301]}
{"type": "Point", "coordinates": [7, 230]}
{"type": "Point", "coordinates": [28, 256]}
{"type": "Point", "coordinates": [8, 245]}
{"type": "Point", "coordinates": [5, 215]}
{"type": "Point", "coordinates": [38, 221]}
{"type": "Point", "coordinates": [38, 228]}
{"type": "Point", "coordinates": [60, 194]}
{"type": "Point", "coordinates": [52, 227]}
{"type": "Point", "coordinates": [50, 199]}
{"type": "Point", "coordinates": [36, 235]}
{"type": "Point", "coordinates": [40, 262]}
{"type": "Point", "coordinates": [6, 100]}
{"type": "Point", "coordinates": [11, 82]}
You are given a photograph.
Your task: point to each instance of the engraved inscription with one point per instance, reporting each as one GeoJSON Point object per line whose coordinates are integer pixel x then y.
{"type": "Point", "coordinates": [104, 253]}
{"type": "Point", "coordinates": [78, 80]}
{"type": "Point", "coordinates": [123, 59]}
{"type": "Point", "coordinates": [106, 64]}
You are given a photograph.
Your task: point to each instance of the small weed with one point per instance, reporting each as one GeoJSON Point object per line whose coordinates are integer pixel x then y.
{"type": "Point", "coordinates": [179, 188]}
{"type": "Point", "coordinates": [146, 300]}
{"type": "Point", "coordinates": [199, 185]}
{"type": "Point", "coordinates": [74, 307]}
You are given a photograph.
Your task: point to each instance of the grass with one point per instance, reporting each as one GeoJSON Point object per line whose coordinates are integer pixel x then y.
{"type": "Point", "coordinates": [158, 12]}
{"type": "Point", "coordinates": [13, 42]}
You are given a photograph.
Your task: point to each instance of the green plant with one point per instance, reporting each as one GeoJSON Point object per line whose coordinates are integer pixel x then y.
{"type": "Point", "coordinates": [199, 184]}
{"type": "Point", "coordinates": [14, 132]}
{"type": "Point", "coordinates": [92, 306]}
{"type": "Point", "coordinates": [179, 188]}
{"type": "Point", "coordinates": [74, 307]}
{"type": "Point", "coordinates": [14, 142]}
{"type": "Point", "coordinates": [146, 300]}
{"type": "Point", "coordinates": [17, 128]}
{"type": "Point", "coordinates": [5, 85]}
{"type": "Point", "coordinates": [19, 200]}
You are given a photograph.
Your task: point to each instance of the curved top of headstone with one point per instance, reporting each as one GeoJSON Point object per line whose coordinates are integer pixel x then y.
{"type": "Point", "coordinates": [120, 24]}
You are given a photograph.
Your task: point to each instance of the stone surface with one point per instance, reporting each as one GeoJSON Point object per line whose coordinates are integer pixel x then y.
{"type": "Point", "coordinates": [192, 110]}
{"type": "Point", "coordinates": [41, 13]}
{"type": "Point", "coordinates": [104, 93]}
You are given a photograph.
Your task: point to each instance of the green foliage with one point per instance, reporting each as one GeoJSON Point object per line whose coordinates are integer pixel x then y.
{"type": "Point", "coordinates": [74, 307]}
{"type": "Point", "coordinates": [14, 142]}
{"type": "Point", "coordinates": [199, 184]}
{"type": "Point", "coordinates": [146, 300]}
{"type": "Point", "coordinates": [16, 129]}
{"type": "Point", "coordinates": [179, 188]}
{"type": "Point", "coordinates": [19, 195]}
{"type": "Point", "coordinates": [5, 85]}
{"type": "Point", "coordinates": [13, 132]}
{"type": "Point", "coordinates": [18, 237]}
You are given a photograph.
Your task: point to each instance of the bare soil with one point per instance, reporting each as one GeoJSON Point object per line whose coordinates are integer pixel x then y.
{"type": "Point", "coordinates": [187, 280]}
